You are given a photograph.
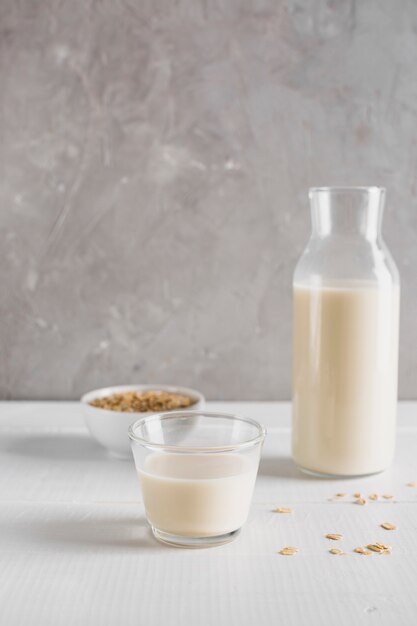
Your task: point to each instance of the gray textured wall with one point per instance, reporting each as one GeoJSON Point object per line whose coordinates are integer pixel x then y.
{"type": "Point", "coordinates": [155, 158]}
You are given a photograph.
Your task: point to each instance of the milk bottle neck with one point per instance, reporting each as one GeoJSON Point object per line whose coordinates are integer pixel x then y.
{"type": "Point", "coordinates": [349, 212]}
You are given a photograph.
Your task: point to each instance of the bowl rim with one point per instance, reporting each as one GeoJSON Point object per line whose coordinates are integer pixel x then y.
{"type": "Point", "coordinates": [167, 415]}
{"type": "Point", "coordinates": [103, 392]}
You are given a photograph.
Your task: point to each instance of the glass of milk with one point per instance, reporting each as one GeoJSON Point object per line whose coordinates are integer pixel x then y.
{"type": "Point", "coordinates": [197, 471]}
{"type": "Point", "coordinates": [346, 320]}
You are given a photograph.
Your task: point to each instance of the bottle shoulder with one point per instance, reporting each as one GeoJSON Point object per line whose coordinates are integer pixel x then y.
{"type": "Point", "coordinates": [335, 259]}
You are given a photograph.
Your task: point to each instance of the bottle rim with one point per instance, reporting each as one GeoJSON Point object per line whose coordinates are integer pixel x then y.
{"type": "Point", "coordinates": [371, 189]}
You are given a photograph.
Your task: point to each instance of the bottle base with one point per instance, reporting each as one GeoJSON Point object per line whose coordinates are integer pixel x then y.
{"type": "Point", "coordinates": [180, 541]}
{"type": "Point", "coordinates": [317, 474]}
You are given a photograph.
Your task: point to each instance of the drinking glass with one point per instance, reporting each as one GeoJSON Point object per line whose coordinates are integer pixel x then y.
{"type": "Point", "coordinates": [197, 471]}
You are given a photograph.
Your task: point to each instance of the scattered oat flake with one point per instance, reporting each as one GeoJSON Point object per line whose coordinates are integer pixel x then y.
{"type": "Point", "coordinates": [362, 551]}
{"type": "Point", "coordinates": [374, 548]}
{"type": "Point", "coordinates": [283, 509]}
{"type": "Point", "coordinates": [357, 495]}
{"type": "Point", "coordinates": [388, 526]}
{"type": "Point", "coordinates": [387, 496]}
{"type": "Point", "coordinates": [334, 536]}
{"type": "Point", "coordinates": [379, 547]}
{"type": "Point", "coordinates": [336, 551]}
{"type": "Point", "coordinates": [374, 496]}
{"type": "Point", "coordinates": [361, 501]}
{"type": "Point", "coordinates": [341, 495]}
{"type": "Point", "coordinates": [412, 484]}
{"type": "Point", "coordinates": [289, 551]}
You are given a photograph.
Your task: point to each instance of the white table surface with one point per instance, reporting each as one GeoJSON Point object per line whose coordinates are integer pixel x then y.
{"type": "Point", "coordinates": [75, 547]}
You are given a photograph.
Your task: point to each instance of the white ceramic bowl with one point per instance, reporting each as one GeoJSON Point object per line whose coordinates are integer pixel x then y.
{"type": "Point", "coordinates": [109, 428]}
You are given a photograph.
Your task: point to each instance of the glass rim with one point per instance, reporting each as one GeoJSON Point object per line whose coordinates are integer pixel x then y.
{"type": "Point", "coordinates": [353, 188]}
{"type": "Point", "coordinates": [166, 415]}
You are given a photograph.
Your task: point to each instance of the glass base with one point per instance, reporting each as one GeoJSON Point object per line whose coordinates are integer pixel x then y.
{"type": "Point", "coordinates": [194, 542]}
{"type": "Point", "coordinates": [315, 474]}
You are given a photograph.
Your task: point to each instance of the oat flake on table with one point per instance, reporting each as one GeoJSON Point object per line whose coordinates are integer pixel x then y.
{"type": "Point", "coordinates": [289, 551]}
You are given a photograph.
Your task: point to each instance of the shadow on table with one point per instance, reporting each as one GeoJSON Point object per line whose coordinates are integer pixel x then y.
{"type": "Point", "coordinates": [101, 535]}
{"type": "Point", "coordinates": [284, 467]}
{"type": "Point", "coordinates": [279, 467]}
{"type": "Point", "coordinates": [58, 447]}
{"type": "Point", "coordinates": [90, 535]}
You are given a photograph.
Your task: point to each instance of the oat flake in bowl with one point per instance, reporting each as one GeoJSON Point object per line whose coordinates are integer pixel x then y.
{"type": "Point", "coordinates": [153, 401]}
{"type": "Point", "coordinates": [108, 412]}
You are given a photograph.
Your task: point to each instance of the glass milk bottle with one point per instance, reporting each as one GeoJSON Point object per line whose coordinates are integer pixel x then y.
{"type": "Point", "coordinates": [346, 321]}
